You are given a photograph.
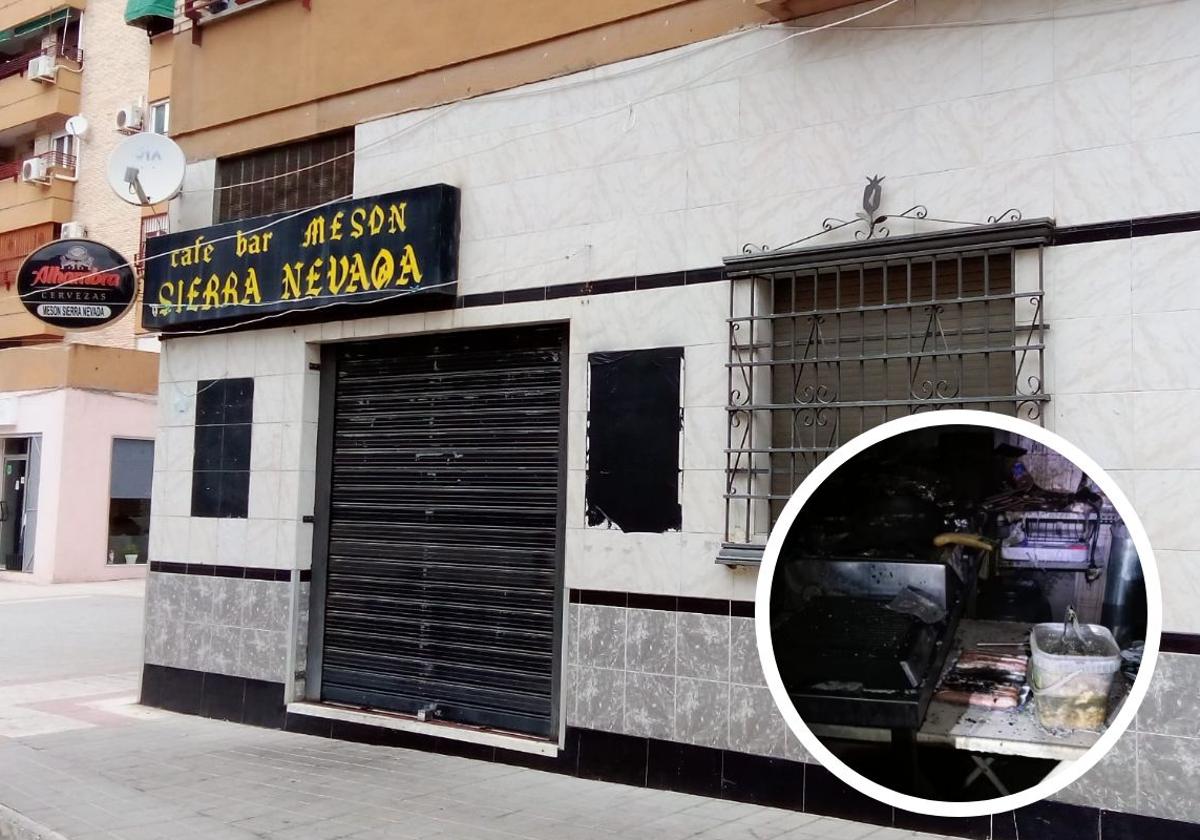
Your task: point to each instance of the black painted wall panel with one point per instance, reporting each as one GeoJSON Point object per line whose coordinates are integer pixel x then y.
{"type": "Point", "coordinates": [634, 424]}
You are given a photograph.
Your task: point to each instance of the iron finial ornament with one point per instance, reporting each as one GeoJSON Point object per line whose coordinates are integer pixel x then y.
{"type": "Point", "coordinates": [872, 196]}
{"type": "Point", "coordinates": [872, 223]}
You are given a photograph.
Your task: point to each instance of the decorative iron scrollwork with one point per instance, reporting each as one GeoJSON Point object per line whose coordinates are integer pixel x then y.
{"type": "Point", "coordinates": [873, 224]}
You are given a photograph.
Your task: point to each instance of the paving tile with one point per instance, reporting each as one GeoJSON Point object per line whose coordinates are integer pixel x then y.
{"type": "Point", "coordinates": [189, 778]}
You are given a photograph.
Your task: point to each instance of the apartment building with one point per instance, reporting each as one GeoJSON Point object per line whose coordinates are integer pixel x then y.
{"type": "Point", "coordinates": [618, 192]}
{"type": "Point", "coordinates": [76, 423]}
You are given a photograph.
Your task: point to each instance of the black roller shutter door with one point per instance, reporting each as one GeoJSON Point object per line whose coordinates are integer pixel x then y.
{"type": "Point", "coordinates": [442, 582]}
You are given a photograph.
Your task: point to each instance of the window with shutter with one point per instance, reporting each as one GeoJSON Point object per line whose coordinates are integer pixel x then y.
{"type": "Point", "coordinates": [285, 178]}
{"type": "Point", "coordinates": [824, 346]}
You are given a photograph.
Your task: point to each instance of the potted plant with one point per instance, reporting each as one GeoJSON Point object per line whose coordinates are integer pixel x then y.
{"type": "Point", "coordinates": [130, 552]}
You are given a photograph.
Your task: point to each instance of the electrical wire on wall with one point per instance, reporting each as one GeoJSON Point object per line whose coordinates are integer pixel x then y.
{"type": "Point", "coordinates": [608, 112]}
{"type": "Point", "coordinates": [536, 89]}
{"type": "Point", "coordinates": [442, 111]}
{"type": "Point", "coordinates": [399, 179]}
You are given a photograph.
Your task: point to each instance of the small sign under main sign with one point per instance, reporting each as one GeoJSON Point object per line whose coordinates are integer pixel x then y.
{"type": "Point", "coordinates": [76, 284]}
{"type": "Point", "coordinates": [364, 251]}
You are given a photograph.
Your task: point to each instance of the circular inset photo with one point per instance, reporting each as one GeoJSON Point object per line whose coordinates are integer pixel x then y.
{"type": "Point", "coordinates": [958, 613]}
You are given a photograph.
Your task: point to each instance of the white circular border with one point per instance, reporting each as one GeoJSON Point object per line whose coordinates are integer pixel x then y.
{"type": "Point", "coordinates": [1067, 771]}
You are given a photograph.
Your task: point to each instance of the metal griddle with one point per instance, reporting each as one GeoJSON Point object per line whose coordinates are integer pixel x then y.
{"type": "Point", "coordinates": [845, 658]}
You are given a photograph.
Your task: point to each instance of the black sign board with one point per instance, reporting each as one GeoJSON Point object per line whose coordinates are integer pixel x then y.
{"type": "Point", "coordinates": [364, 251]}
{"type": "Point", "coordinates": [76, 284]}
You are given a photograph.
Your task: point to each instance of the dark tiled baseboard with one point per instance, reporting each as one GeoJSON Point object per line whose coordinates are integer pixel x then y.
{"type": "Point", "coordinates": [1127, 228]}
{"type": "Point", "coordinates": [586, 288]}
{"type": "Point", "coordinates": [669, 603]}
{"type": "Point", "coordinates": [219, 696]}
{"type": "Point", "coordinates": [1180, 643]}
{"type": "Point", "coordinates": [246, 572]}
{"type": "Point", "coordinates": [663, 765]}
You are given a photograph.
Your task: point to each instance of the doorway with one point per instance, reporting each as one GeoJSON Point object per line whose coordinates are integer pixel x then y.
{"type": "Point", "coordinates": [18, 501]}
{"type": "Point", "coordinates": [437, 580]}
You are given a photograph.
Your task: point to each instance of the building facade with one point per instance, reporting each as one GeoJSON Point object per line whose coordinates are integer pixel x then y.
{"type": "Point", "coordinates": [58, 61]}
{"type": "Point", "coordinates": [656, 216]}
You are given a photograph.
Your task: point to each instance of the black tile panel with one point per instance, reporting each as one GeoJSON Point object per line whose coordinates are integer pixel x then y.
{"type": "Point", "coordinates": [977, 828]}
{"type": "Point", "coordinates": [174, 689]}
{"type": "Point", "coordinates": [611, 757]}
{"type": "Point", "coordinates": [308, 725]}
{"type": "Point", "coordinates": [264, 704]}
{"type": "Point", "coordinates": [775, 782]}
{"type": "Point", "coordinates": [1115, 825]}
{"type": "Point", "coordinates": [1052, 820]}
{"type": "Point", "coordinates": [826, 794]}
{"type": "Point", "coordinates": [223, 697]}
{"type": "Point", "coordinates": [684, 768]}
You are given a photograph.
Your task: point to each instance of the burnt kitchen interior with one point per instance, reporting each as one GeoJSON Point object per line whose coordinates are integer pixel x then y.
{"type": "Point", "coordinates": [956, 610]}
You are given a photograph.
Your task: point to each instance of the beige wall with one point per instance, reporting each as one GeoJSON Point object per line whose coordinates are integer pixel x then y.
{"type": "Point", "coordinates": [29, 104]}
{"type": "Point", "coordinates": [162, 53]}
{"type": "Point", "coordinates": [78, 366]}
{"type": "Point", "coordinates": [319, 70]}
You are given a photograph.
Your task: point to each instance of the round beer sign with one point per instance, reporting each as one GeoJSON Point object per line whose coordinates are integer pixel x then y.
{"type": "Point", "coordinates": [76, 284]}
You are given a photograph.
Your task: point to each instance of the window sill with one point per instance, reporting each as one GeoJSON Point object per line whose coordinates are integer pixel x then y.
{"type": "Point", "coordinates": [740, 554]}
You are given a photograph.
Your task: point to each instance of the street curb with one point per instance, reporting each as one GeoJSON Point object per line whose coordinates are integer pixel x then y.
{"type": "Point", "coordinates": [14, 826]}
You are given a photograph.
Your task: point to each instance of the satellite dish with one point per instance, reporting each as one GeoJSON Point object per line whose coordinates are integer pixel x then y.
{"type": "Point", "coordinates": [78, 126]}
{"type": "Point", "coordinates": [146, 169]}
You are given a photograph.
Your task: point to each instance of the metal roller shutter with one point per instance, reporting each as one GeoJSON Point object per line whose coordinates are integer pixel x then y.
{"type": "Point", "coordinates": [442, 578]}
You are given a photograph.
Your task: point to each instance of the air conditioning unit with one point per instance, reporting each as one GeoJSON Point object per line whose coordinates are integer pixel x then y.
{"type": "Point", "coordinates": [130, 119]}
{"type": "Point", "coordinates": [35, 171]}
{"type": "Point", "coordinates": [42, 68]}
{"type": "Point", "coordinates": [73, 230]}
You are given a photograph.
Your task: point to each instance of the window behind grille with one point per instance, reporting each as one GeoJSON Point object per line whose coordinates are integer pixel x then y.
{"type": "Point", "coordinates": [821, 351]}
{"type": "Point", "coordinates": [284, 178]}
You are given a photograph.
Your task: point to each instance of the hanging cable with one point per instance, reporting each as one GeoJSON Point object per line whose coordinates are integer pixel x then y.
{"type": "Point", "coordinates": [619, 109]}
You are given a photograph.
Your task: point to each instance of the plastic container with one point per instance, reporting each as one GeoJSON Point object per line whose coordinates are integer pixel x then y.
{"type": "Point", "coordinates": [1071, 689]}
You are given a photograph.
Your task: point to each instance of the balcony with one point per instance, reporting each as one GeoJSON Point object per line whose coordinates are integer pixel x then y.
{"type": "Point", "coordinates": [26, 104]}
{"type": "Point", "coordinates": [24, 204]}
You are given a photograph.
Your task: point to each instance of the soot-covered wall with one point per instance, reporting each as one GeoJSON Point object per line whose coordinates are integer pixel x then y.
{"type": "Point", "coordinates": [634, 424]}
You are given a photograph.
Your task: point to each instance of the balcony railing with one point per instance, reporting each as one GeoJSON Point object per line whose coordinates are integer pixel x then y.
{"type": "Point", "coordinates": [11, 171]}
{"type": "Point", "coordinates": [16, 65]}
{"type": "Point", "coordinates": [203, 11]}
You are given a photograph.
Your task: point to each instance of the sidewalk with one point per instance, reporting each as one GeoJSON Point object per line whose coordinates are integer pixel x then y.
{"type": "Point", "coordinates": [186, 777]}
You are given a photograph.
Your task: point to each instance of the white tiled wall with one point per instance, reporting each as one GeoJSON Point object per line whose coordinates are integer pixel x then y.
{"type": "Point", "coordinates": [1124, 329]}
{"type": "Point", "coordinates": [675, 160]}
{"type": "Point", "coordinates": [283, 438]}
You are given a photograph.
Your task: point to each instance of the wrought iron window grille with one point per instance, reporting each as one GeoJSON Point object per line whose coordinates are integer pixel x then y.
{"type": "Point", "coordinates": [826, 342]}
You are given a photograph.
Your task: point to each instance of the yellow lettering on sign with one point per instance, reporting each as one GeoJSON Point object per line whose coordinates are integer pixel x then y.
{"type": "Point", "coordinates": [396, 223]}
{"type": "Point", "coordinates": [357, 216]}
{"type": "Point", "coordinates": [358, 273]}
{"type": "Point", "coordinates": [212, 292]}
{"type": "Point", "coordinates": [315, 234]}
{"type": "Point", "coordinates": [335, 227]}
{"type": "Point", "coordinates": [314, 275]}
{"type": "Point", "coordinates": [375, 221]}
{"type": "Point", "coordinates": [251, 294]}
{"type": "Point", "coordinates": [339, 267]}
{"type": "Point", "coordinates": [255, 243]}
{"type": "Point", "coordinates": [292, 272]}
{"type": "Point", "coordinates": [409, 269]}
{"type": "Point", "coordinates": [229, 295]}
{"type": "Point", "coordinates": [164, 296]}
{"type": "Point", "coordinates": [193, 292]}
{"type": "Point", "coordinates": [382, 269]}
